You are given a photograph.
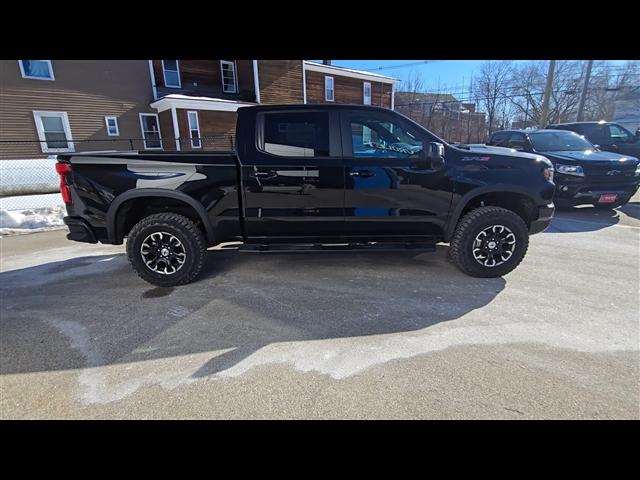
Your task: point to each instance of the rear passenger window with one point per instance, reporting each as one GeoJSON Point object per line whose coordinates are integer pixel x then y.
{"type": "Point", "coordinates": [517, 139]}
{"type": "Point", "coordinates": [599, 134]}
{"type": "Point", "coordinates": [296, 134]}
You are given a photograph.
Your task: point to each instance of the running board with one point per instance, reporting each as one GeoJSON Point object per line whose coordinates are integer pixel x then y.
{"type": "Point", "coordinates": [350, 247]}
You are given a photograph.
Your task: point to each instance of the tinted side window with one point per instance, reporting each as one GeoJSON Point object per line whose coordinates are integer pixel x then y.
{"type": "Point", "coordinates": [572, 128]}
{"type": "Point", "coordinates": [618, 134]}
{"type": "Point", "coordinates": [296, 134]}
{"type": "Point", "coordinates": [599, 134]}
{"type": "Point", "coordinates": [517, 138]}
{"type": "Point", "coordinates": [374, 136]}
{"type": "Point", "coordinates": [500, 139]}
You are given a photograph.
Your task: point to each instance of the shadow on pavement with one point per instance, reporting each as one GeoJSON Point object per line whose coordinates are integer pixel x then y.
{"type": "Point", "coordinates": [94, 311]}
{"type": "Point", "coordinates": [582, 219]}
{"type": "Point", "coordinates": [632, 209]}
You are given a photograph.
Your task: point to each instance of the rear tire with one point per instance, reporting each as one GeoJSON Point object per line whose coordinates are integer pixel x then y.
{"type": "Point", "coordinates": [489, 242]}
{"type": "Point", "coordinates": [166, 249]}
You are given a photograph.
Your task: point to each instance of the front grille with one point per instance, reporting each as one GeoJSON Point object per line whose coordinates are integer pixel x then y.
{"type": "Point", "coordinates": [608, 173]}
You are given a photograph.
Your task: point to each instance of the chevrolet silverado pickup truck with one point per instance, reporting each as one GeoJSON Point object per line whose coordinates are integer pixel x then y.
{"type": "Point", "coordinates": [310, 178]}
{"type": "Point", "coordinates": [584, 174]}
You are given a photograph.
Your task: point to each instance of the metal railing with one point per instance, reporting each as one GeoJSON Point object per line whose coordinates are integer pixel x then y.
{"type": "Point", "coordinates": [24, 149]}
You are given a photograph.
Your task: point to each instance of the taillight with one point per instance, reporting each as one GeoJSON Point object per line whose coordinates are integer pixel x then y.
{"type": "Point", "coordinates": [63, 169]}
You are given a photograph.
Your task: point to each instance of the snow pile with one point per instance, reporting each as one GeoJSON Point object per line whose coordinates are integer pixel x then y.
{"type": "Point", "coordinates": [33, 220]}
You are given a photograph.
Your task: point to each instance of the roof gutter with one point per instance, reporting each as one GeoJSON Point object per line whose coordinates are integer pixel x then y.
{"type": "Point", "coordinates": [153, 80]}
{"type": "Point", "coordinates": [256, 80]}
{"type": "Point", "coordinates": [344, 72]}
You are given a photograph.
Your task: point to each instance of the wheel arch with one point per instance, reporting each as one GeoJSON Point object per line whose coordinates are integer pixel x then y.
{"type": "Point", "coordinates": [487, 192]}
{"type": "Point", "coordinates": [115, 236]}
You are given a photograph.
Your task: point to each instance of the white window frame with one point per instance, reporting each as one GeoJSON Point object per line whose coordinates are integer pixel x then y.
{"type": "Point", "coordinates": [235, 76]}
{"type": "Point", "coordinates": [189, 112]}
{"type": "Point", "coordinates": [164, 76]}
{"type": "Point", "coordinates": [144, 140]}
{"type": "Point", "coordinates": [37, 116]}
{"type": "Point", "coordinates": [327, 89]}
{"type": "Point", "coordinates": [24, 75]}
{"type": "Point", "coordinates": [106, 121]}
{"type": "Point", "coordinates": [364, 93]}
{"type": "Point", "coordinates": [366, 138]}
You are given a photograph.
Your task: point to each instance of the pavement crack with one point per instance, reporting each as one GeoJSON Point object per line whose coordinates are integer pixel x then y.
{"type": "Point", "coordinates": [513, 410]}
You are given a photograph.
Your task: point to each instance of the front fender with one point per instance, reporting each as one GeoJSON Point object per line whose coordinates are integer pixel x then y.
{"type": "Point", "coordinates": [464, 200]}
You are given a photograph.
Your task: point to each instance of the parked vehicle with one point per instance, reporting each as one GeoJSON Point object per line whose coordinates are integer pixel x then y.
{"type": "Point", "coordinates": [583, 173]}
{"type": "Point", "coordinates": [311, 177]}
{"type": "Point", "coordinates": [607, 136]}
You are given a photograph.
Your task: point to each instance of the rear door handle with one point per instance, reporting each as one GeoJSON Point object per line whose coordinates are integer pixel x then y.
{"type": "Point", "coordinates": [362, 173]}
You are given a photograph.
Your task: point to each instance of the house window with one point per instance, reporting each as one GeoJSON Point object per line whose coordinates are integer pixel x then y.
{"type": "Point", "coordinates": [194, 129]}
{"type": "Point", "coordinates": [112, 126]}
{"type": "Point", "coordinates": [328, 89]}
{"type": "Point", "coordinates": [54, 131]}
{"type": "Point", "coordinates": [36, 69]}
{"type": "Point", "coordinates": [367, 93]}
{"type": "Point", "coordinates": [366, 135]}
{"type": "Point", "coordinates": [171, 71]}
{"type": "Point", "coordinates": [228, 76]}
{"type": "Point", "coordinates": [150, 127]}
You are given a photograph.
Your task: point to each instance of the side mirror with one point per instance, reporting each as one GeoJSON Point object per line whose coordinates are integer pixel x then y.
{"type": "Point", "coordinates": [637, 135]}
{"type": "Point", "coordinates": [597, 147]}
{"type": "Point", "coordinates": [435, 155]}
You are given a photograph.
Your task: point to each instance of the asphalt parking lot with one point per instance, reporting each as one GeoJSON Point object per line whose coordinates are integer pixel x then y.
{"type": "Point", "coordinates": [327, 335]}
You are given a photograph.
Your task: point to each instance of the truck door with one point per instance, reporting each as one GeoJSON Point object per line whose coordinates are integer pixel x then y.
{"type": "Point", "coordinates": [390, 190]}
{"type": "Point", "coordinates": [293, 179]}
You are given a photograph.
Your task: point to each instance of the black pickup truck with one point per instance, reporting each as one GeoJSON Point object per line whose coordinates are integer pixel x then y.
{"type": "Point", "coordinates": [310, 177]}
{"type": "Point", "coordinates": [584, 174]}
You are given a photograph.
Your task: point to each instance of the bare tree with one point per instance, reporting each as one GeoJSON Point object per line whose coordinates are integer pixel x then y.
{"type": "Point", "coordinates": [412, 85]}
{"type": "Point", "coordinates": [611, 86]}
{"type": "Point", "coordinates": [527, 89]}
{"type": "Point", "coordinates": [491, 86]}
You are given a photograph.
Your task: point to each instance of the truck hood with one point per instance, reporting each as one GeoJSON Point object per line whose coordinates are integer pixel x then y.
{"type": "Point", "coordinates": [581, 156]}
{"type": "Point", "coordinates": [503, 151]}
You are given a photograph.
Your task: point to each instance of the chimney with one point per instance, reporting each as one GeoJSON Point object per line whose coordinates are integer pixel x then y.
{"type": "Point", "coordinates": [326, 62]}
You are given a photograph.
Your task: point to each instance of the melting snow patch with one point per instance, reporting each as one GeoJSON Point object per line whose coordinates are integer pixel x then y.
{"type": "Point", "coordinates": [31, 220]}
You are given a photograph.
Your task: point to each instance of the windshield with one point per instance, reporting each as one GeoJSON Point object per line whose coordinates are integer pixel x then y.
{"type": "Point", "coordinates": [558, 141]}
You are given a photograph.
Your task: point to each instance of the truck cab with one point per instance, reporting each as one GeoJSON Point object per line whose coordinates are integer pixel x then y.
{"type": "Point", "coordinates": [608, 136]}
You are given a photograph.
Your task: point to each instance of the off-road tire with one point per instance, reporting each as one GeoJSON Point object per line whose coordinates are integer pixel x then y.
{"type": "Point", "coordinates": [474, 222]}
{"type": "Point", "coordinates": [185, 231]}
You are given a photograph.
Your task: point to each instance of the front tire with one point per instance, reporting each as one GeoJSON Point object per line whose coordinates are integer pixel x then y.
{"type": "Point", "coordinates": [489, 242]}
{"type": "Point", "coordinates": [166, 249]}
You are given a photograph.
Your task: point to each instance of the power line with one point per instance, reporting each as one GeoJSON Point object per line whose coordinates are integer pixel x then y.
{"type": "Point", "coordinates": [404, 65]}
{"type": "Point", "coordinates": [459, 89]}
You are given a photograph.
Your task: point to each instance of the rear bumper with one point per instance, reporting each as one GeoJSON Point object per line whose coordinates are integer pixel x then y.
{"type": "Point", "coordinates": [79, 230]}
{"type": "Point", "coordinates": [545, 214]}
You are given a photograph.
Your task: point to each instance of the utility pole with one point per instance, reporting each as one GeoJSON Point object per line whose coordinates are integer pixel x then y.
{"type": "Point", "coordinates": [547, 94]}
{"type": "Point", "coordinates": [583, 97]}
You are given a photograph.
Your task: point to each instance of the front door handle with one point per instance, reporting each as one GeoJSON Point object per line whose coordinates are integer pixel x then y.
{"type": "Point", "coordinates": [362, 173]}
{"type": "Point", "coordinates": [269, 174]}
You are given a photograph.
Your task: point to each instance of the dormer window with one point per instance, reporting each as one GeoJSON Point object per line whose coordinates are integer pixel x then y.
{"type": "Point", "coordinates": [36, 69]}
{"type": "Point", "coordinates": [229, 81]}
{"type": "Point", "coordinates": [171, 72]}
